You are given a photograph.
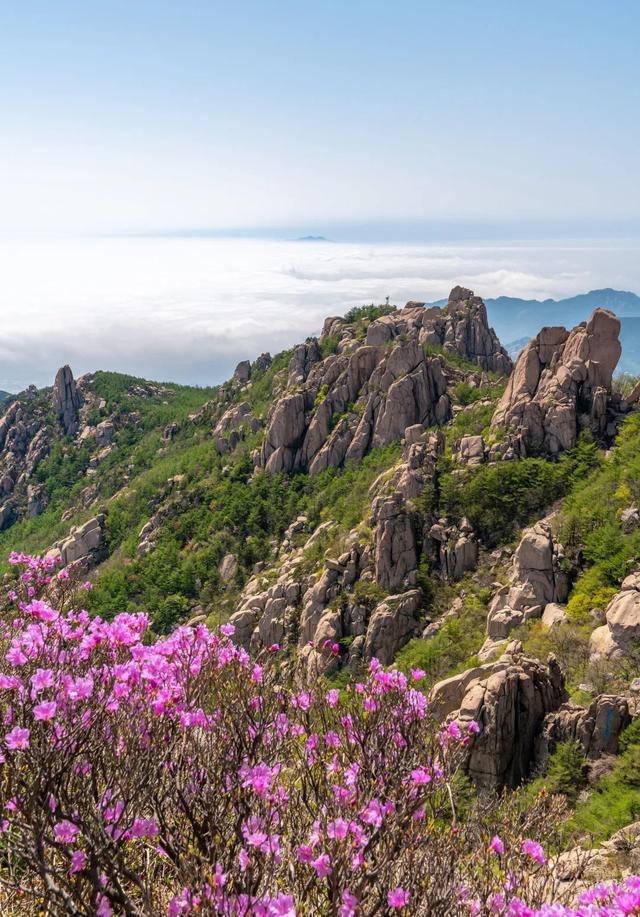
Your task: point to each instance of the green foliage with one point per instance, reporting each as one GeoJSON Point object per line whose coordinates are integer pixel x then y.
{"type": "Point", "coordinates": [616, 800]}
{"type": "Point", "coordinates": [452, 357]}
{"type": "Point", "coordinates": [590, 526]}
{"type": "Point", "coordinates": [364, 315]}
{"type": "Point", "coordinates": [565, 775]}
{"type": "Point", "coordinates": [453, 648]}
{"type": "Point", "coordinates": [568, 642]}
{"type": "Point", "coordinates": [329, 345]}
{"type": "Point", "coordinates": [342, 495]}
{"type": "Point", "coordinates": [624, 383]}
{"type": "Point", "coordinates": [471, 422]}
{"type": "Point", "coordinates": [322, 394]}
{"type": "Point", "coordinates": [466, 394]}
{"type": "Point", "coordinates": [500, 497]}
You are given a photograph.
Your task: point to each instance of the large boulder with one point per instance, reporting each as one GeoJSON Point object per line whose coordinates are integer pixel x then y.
{"type": "Point", "coordinates": [84, 542]}
{"type": "Point", "coordinates": [561, 383]}
{"type": "Point", "coordinates": [285, 430]}
{"type": "Point", "coordinates": [622, 629]}
{"type": "Point", "coordinates": [509, 700]}
{"type": "Point", "coordinates": [393, 623]}
{"type": "Point", "coordinates": [536, 580]}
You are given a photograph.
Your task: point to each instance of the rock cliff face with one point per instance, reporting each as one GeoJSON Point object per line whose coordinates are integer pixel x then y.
{"type": "Point", "coordinates": [367, 393]}
{"type": "Point", "coordinates": [509, 700]}
{"type": "Point", "coordinates": [597, 727]}
{"type": "Point", "coordinates": [561, 383]}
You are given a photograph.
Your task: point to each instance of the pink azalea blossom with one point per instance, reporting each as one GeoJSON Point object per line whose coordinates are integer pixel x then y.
{"type": "Point", "coordinates": [398, 898]}
{"type": "Point", "coordinates": [322, 865]}
{"type": "Point", "coordinates": [65, 832]}
{"type": "Point", "coordinates": [534, 850]}
{"type": "Point", "coordinates": [496, 845]}
{"type": "Point", "coordinates": [17, 739]}
{"type": "Point", "coordinates": [78, 861]}
{"type": "Point", "coordinates": [46, 710]}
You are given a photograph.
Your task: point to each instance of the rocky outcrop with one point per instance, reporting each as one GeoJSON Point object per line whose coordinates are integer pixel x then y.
{"type": "Point", "coordinates": [579, 869]}
{"type": "Point", "coordinates": [621, 632]}
{"type": "Point", "coordinates": [104, 433]}
{"type": "Point", "coordinates": [509, 700]}
{"type": "Point", "coordinates": [560, 384]}
{"type": "Point", "coordinates": [462, 327]}
{"type": "Point", "coordinates": [66, 400]}
{"type": "Point", "coordinates": [393, 623]}
{"type": "Point", "coordinates": [263, 362]}
{"type": "Point", "coordinates": [597, 727]}
{"type": "Point", "coordinates": [536, 579]}
{"type": "Point", "coordinates": [321, 616]}
{"type": "Point", "coordinates": [418, 469]}
{"type": "Point", "coordinates": [83, 543]}
{"type": "Point", "coordinates": [453, 548]}
{"type": "Point", "coordinates": [233, 426]}
{"type": "Point", "coordinates": [242, 372]}
{"type": "Point", "coordinates": [365, 395]}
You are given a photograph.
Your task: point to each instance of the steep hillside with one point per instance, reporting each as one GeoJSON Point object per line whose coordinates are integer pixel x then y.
{"type": "Point", "coordinates": [390, 489]}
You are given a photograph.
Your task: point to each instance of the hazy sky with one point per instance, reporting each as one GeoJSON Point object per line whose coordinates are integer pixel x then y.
{"type": "Point", "coordinates": [133, 115]}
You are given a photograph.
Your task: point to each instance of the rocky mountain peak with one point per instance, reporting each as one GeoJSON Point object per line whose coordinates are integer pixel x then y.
{"type": "Point", "coordinates": [561, 383]}
{"type": "Point", "coordinates": [358, 388]}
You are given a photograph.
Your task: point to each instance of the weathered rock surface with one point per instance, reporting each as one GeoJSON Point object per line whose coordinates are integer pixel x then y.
{"type": "Point", "coordinates": [242, 372]}
{"type": "Point", "coordinates": [597, 727]}
{"type": "Point", "coordinates": [366, 395]}
{"type": "Point", "coordinates": [615, 859]}
{"type": "Point", "coordinates": [228, 567]}
{"type": "Point", "coordinates": [509, 700]}
{"type": "Point", "coordinates": [622, 630]}
{"type": "Point", "coordinates": [554, 615]}
{"type": "Point", "coordinates": [393, 623]}
{"type": "Point", "coordinates": [396, 550]}
{"type": "Point", "coordinates": [84, 542]}
{"type": "Point", "coordinates": [536, 580]}
{"type": "Point", "coordinates": [561, 382]}
{"type": "Point", "coordinates": [453, 548]}
{"type": "Point", "coordinates": [66, 400]}
{"type": "Point", "coordinates": [463, 327]}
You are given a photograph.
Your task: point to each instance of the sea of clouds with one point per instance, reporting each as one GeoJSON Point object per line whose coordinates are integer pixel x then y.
{"type": "Point", "coordinates": [188, 309]}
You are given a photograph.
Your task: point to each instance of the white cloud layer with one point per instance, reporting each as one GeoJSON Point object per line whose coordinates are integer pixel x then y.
{"type": "Point", "coordinates": [187, 309]}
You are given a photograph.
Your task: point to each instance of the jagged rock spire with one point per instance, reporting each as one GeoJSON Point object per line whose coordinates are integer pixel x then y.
{"type": "Point", "coordinates": [559, 375]}
{"type": "Point", "coordinates": [66, 400]}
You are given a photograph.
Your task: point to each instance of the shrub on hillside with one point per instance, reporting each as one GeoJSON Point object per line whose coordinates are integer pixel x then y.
{"type": "Point", "coordinates": [183, 777]}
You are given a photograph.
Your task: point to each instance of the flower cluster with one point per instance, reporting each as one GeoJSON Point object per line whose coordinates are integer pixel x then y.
{"type": "Point", "coordinates": [183, 777]}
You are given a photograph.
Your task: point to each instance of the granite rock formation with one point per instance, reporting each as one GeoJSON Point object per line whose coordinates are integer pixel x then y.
{"type": "Point", "coordinates": [366, 394]}
{"type": "Point", "coordinates": [560, 384]}
{"type": "Point", "coordinates": [509, 699]}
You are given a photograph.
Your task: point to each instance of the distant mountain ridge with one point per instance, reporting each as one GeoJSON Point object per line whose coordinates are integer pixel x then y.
{"type": "Point", "coordinates": [517, 320]}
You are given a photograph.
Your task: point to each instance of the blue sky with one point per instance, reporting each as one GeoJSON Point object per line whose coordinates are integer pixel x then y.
{"type": "Point", "coordinates": [135, 116]}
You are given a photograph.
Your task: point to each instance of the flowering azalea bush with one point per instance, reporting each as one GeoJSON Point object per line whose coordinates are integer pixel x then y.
{"type": "Point", "coordinates": [181, 776]}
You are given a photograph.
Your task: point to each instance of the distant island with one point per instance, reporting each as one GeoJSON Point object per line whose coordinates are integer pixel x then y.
{"type": "Point", "coordinates": [312, 239]}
